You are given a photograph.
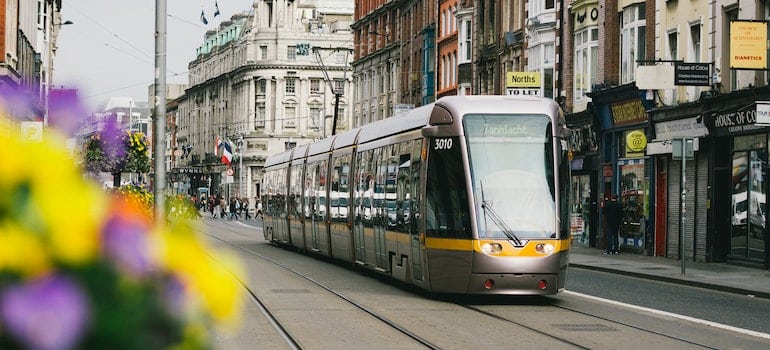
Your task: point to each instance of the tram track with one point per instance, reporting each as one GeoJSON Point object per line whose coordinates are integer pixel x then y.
{"type": "Point", "coordinates": [291, 301]}
{"type": "Point", "coordinates": [606, 322]}
{"type": "Point", "coordinates": [280, 328]}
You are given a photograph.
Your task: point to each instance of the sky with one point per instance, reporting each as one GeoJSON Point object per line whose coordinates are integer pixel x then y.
{"type": "Point", "coordinates": [109, 49]}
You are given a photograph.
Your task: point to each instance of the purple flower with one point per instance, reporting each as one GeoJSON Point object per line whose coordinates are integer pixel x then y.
{"type": "Point", "coordinates": [126, 244]}
{"type": "Point", "coordinates": [46, 314]}
{"type": "Point", "coordinates": [64, 110]}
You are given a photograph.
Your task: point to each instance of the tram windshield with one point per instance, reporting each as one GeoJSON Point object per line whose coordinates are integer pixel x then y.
{"type": "Point", "coordinates": [511, 161]}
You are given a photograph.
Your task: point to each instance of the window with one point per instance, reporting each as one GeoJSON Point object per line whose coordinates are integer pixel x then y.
{"type": "Point", "coordinates": [315, 114]}
{"type": "Point", "coordinates": [339, 86]}
{"type": "Point", "coordinates": [263, 52]}
{"type": "Point", "coordinates": [290, 117]}
{"type": "Point", "coordinates": [632, 45]}
{"type": "Point", "coordinates": [259, 117]}
{"type": "Point", "coordinates": [695, 41]}
{"type": "Point", "coordinates": [672, 45]}
{"type": "Point", "coordinates": [291, 53]}
{"type": "Point", "coordinates": [315, 86]}
{"type": "Point", "coordinates": [466, 43]}
{"type": "Point", "coordinates": [290, 85]}
{"type": "Point", "coordinates": [586, 61]}
{"type": "Point", "coordinates": [261, 87]}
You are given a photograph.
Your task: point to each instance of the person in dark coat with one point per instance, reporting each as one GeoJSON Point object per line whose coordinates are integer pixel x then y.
{"type": "Point", "coordinates": [613, 214]}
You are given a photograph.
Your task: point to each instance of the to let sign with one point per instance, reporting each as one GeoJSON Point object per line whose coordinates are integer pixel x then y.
{"type": "Point", "coordinates": [695, 74]}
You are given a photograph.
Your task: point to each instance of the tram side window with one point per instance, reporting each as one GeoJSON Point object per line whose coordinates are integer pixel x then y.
{"type": "Point", "coordinates": [446, 213]}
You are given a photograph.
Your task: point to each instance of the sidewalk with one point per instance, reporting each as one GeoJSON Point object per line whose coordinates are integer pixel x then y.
{"type": "Point", "coordinates": [717, 276]}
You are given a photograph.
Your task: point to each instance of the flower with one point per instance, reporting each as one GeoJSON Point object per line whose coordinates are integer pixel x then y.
{"type": "Point", "coordinates": [46, 314]}
{"type": "Point", "coordinates": [85, 268]}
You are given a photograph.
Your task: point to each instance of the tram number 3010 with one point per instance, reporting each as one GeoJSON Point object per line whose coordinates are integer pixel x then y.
{"type": "Point", "coordinates": [443, 144]}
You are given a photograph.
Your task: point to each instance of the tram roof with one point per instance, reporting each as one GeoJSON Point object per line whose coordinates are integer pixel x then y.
{"type": "Point", "coordinates": [278, 158]}
{"type": "Point", "coordinates": [299, 152]}
{"type": "Point", "coordinates": [413, 119]}
{"type": "Point", "coordinates": [321, 146]}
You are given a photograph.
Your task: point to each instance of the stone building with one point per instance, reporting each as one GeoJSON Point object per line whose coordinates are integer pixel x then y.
{"type": "Point", "coordinates": [263, 81]}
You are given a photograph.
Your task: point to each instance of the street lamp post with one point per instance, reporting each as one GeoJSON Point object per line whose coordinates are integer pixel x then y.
{"type": "Point", "coordinates": [240, 167]}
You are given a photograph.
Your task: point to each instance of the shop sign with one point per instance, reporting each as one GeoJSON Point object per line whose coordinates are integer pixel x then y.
{"type": "Point", "coordinates": [667, 146]}
{"type": "Point", "coordinates": [636, 142]}
{"type": "Point", "coordinates": [187, 170]}
{"type": "Point", "coordinates": [748, 44]}
{"type": "Point", "coordinates": [628, 112]}
{"type": "Point", "coordinates": [687, 127]}
{"type": "Point", "coordinates": [693, 74]}
{"type": "Point", "coordinates": [735, 122]}
{"type": "Point", "coordinates": [522, 80]}
{"type": "Point", "coordinates": [763, 113]}
{"type": "Point", "coordinates": [524, 92]}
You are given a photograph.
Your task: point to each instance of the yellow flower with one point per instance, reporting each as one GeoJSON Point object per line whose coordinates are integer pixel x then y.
{"type": "Point", "coordinates": [214, 282]}
{"type": "Point", "coordinates": [22, 252]}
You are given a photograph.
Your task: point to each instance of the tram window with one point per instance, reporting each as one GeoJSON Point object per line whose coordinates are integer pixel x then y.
{"type": "Point", "coordinates": [447, 199]}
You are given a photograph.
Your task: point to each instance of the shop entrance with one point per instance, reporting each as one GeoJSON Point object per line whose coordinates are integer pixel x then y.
{"type": "Point", "coordinates": [748, 200]}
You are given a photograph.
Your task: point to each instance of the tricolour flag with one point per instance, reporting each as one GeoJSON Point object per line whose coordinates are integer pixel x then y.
{"type": "Point", "coordinates": [217, 143]}
{"type": "Point", "coordinates": [203, 18]}
{"type": "Point", "coordinates": [227, 153]}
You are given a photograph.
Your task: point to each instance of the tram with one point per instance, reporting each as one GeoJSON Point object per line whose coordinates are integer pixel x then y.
{"type": "Point", "coordinates": [467, 195]}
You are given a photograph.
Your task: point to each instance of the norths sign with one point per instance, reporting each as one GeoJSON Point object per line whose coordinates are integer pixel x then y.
{"type": "Point", "coordinates": [523, 83]}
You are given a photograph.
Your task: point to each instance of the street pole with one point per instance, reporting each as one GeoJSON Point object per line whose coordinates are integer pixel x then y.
{"type": "Point", "coordinates": [683, 204]}
{"type": "Point", "coordinates": [240, 168]}
{"type": "Point", "coordinates": [160, 112]}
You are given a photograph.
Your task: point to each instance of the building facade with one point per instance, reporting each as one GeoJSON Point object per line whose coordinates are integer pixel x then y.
{"type": "Point", "coordinates": [264, 81]}
{"type": "Point", "coordinates": [27, 50]}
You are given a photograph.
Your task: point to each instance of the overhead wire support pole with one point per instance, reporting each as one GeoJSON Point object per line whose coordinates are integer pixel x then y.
{"type": "Point", "coordinates": [337, 92]}
{"type": "Point", "coordinates": [159, 136]}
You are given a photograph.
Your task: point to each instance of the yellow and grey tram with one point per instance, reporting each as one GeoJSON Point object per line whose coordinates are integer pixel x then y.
{"type": "Point", "coordinates": [467, 195]}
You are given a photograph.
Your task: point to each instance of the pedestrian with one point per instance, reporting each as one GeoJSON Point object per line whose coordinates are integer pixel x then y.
{"type": "Point", "coordinates": [245, 205]}
{"type": "Point", "coordinates": [223, 207]}
{"type": "Point", "coordinates": [613, 214]}
{"type": "Point", "coordinates": [218, 210]}
{"type": "Point", "coordinates": [233, 209]}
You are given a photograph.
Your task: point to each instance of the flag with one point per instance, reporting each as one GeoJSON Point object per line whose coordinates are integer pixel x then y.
{"type": "Point", "coordinates": [227, 153]}
{"type": "Point", "coordinates": [217, 143]}
{"type": "Point", "coordinates": [203, 18]}
{"type": "Point", "coordinates": [216, 9]}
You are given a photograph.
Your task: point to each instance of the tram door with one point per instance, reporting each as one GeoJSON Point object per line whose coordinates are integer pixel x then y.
{"type": "Point", "coordinates": [362, 202]}
{"type": "Point", "coordinates": [412, 205]}
{"type": "Point", "coordinates": [381, 191]}
{"type": "Point", "coordinates": [748, 205]}
{"type": "Point", "coordinates": [315, 208]}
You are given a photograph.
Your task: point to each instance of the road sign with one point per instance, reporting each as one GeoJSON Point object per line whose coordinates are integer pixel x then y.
{"type": "Point", "coordinates": [230, 171]}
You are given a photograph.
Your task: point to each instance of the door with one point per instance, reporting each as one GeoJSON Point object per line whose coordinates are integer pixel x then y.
{"type": "Point", "coordinates": [748, 205]}
{"type": "Point", "coordinates": [660, 207]}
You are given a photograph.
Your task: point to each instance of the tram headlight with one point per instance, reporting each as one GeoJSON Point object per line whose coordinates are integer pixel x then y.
{"type": "Point", "coordinates": [544, 248]}
{"type": "Point", "coordinates": [492, 248]}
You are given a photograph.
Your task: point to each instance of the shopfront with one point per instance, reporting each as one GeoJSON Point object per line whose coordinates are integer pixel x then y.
{"type": "Point", "coordinates": [626, 169]}
{"type": "Point", "coordinates": [740, 169]}
{"type": "Point", "coordinates": [669, 124]}
{"type": "Point", "coordinates": [584, 148]}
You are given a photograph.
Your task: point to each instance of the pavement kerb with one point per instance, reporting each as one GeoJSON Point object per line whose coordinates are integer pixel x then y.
{"type": "Point", "coordinates": [681, 281]}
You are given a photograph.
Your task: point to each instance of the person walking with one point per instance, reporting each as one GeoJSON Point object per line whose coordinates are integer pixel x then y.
{"type": "Point", "coordinates": [245, 206]}
{"type": "Point", "coordinates": [233, 209]}
{"type": "Point", "coordinates": [613, 214]}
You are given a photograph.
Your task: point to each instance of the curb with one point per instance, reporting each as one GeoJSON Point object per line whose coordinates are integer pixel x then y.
{"type": "Point", "coordinates": [704, 285]}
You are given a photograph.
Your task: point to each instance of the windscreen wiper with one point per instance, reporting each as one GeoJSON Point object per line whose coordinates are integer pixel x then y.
{"type": "Point", "coordinates": [491, 213]}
